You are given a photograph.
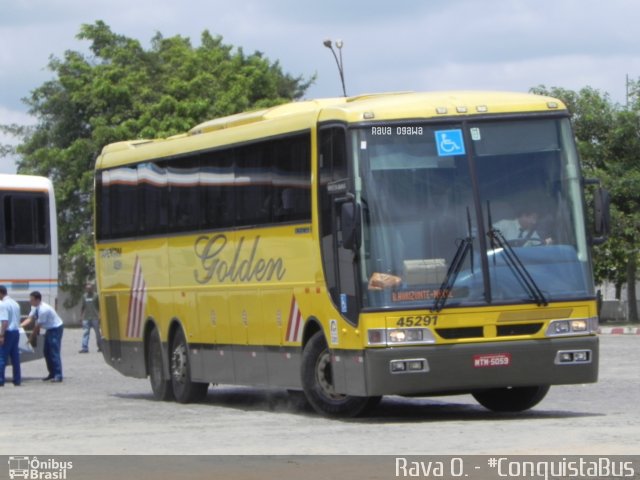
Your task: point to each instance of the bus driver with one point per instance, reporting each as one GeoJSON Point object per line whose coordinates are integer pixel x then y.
{"type": "Point", "coordinates": [521, 231]}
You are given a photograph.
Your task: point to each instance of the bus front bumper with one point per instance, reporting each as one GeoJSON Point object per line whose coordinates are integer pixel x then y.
{"type": "Point", "coordinates": [462, 368]}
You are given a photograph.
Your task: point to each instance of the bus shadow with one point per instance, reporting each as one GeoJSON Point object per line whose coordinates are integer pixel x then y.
{"type": "Point", "coordinates": [399, 409]}
{"type": "Point", "coordinates": [389, 410]}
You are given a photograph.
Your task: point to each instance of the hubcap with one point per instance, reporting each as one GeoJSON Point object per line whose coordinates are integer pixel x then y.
{"type": "Point", "coordinates": [324, 376]}
{"type": "Point", "coordinates": [179, 363]}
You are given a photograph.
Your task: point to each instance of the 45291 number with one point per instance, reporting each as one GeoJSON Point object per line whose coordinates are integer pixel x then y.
{"type": "Point", "coordinates": [417, 321]}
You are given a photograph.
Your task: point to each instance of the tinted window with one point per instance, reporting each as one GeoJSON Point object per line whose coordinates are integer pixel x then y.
{"type": "Point", "coordinates": [153, 197]}
{"type": "Point", "coordinates": [185, 207]}
{"type": "Point", "coordinates": [122, 184]}
{"type": "Point", "coordinates": [256, 184]}
{"type": "Point", "coordinates": [217, 189]}
{"type": "Point", "coordinates": [25, 223]}
{"type": "Point", "coordinates": [292, 180]}
{"type": "Point", "coordinates": [253, 181]}
{"type": "Point", "coordinates": [103, 206]}
{"type": "Point", "coordinates": [333, 166]}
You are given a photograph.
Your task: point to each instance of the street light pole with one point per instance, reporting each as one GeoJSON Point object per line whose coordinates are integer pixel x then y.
{"type": "Point", "coordinates": [329, 44]}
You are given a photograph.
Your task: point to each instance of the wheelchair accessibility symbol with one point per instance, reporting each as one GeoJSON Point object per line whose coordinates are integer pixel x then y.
{"type": "Point", "coordinates": [449, 143]}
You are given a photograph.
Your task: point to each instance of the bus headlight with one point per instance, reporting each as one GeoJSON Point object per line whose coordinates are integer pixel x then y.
{"type": "Point", "coordinates": [400, 336]}
{"type": "Point", "coordinates": [578, 326]}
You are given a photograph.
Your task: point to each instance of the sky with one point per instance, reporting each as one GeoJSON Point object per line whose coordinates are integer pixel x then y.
{"type": "Point", "coordinates": [391, 45]}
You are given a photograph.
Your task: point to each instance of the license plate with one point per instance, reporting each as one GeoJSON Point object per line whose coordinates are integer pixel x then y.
{"type": "Point", "coordinates": [492, 360]}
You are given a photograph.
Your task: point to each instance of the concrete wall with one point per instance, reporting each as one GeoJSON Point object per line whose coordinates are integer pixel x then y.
{"type": "Point", "coordinates": [615, 311]}
{"type": "Point", "coordinates": [70, 317]}
{"type": "Point", "coordinates": [608, 290]}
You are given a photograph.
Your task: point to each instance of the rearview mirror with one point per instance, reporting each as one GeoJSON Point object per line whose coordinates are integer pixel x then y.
{"type": "Point", "coordinates": [602, 220]}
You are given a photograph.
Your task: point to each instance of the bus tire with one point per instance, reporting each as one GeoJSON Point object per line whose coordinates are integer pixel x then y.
{"type": "Point", "coordinates": [184, 389]}
{"type": "Point", "coordinates": [318, 384]}
{"type": "Point", "coordinates": [160, 385]}
{"type": "Point", "coordinates": [512, 399]}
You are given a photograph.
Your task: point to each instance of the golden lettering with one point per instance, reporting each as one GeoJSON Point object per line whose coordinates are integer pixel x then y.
{"type": "Point", "coordinates": [210, 250]}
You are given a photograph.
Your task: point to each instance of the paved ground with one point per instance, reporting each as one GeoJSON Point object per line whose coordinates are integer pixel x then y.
{"type": "Point", "coordinates": [98, 411]}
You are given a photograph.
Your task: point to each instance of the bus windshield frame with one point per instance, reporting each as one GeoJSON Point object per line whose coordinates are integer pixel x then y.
{"type": "Point", "coordinates": [438, 198]}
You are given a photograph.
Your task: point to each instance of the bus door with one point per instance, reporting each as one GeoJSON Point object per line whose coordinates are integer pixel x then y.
{"type": "Point", "coordinates": [336, 204]}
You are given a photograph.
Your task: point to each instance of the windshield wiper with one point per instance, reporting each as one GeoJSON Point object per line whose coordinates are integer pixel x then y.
{"type": "Point", "coordinates": [515, 264]}
{"type": "Point", "coordinates": [464, 248]}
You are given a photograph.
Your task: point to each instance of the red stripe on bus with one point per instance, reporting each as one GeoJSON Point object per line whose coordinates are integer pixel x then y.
{"type": "Point", "coordinates": [293, 303]}
{"type": "Point", "coordinates": [298, 323]}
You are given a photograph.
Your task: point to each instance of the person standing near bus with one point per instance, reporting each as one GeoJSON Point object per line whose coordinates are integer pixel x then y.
{"type": "Point", "coordinates": [89, 312]}
{"type": "Point", "coordinates": [9, 336]}
{"type": "Point", "coordinates": [46, 317]}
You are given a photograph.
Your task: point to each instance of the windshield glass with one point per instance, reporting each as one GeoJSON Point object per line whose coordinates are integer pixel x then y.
{"type": "Point", "coordinates": [530, 188]}
{"type": "Point", "coordinates": [417, 207]}
{"type": "Point", "coordinates": [421, 224]}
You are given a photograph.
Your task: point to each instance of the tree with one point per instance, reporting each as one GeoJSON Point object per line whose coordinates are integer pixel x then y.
{"type": "Point", "coordinates": [624, 177]}
{"type": "Point", "coordinates": [608, 137]}
{"type": "Point", "coordinates": [120, 92]}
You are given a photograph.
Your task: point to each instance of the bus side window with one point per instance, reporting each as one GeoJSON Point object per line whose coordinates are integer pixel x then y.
{"type": "Point", "coordinates": [218, 192]}
{"type": "Point", "coordinates": [253, 185]}
{"type": "Point", "coordinates": [123, 190]}
{"type": "Point", "coordinates": [292, 179]}
{"type": "Point", "coordinates": [152, 178]}
{"type": "Point", "coordinates": [25, 222]}
{"type": "Point", "coordinates": [103, 225]}
{"type": "Point", "coordinates": [185, 206]}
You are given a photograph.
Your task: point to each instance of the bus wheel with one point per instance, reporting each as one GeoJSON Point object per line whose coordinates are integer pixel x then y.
{"type": "Point", "coordinates": [160, 386]}
{"type": "Point", "coordinates": [184, 390]}
{"type": "Point", "coordinates": [317, 382]}
{"type": "Point", "coordinates": [512, 399]}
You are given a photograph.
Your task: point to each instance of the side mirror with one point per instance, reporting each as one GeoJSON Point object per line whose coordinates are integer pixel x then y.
{"type": "Point", "coordinates": [351, 225]}
{"type": "Point", "coordinates": [602, 220]}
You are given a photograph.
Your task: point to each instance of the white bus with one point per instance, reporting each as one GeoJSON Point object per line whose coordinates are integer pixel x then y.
{"type": "Point", "coordinates": [28, 238]}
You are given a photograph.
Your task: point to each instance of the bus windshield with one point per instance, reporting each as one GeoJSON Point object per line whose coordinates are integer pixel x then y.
{"type": "Point", "coordinates": [485, 212]}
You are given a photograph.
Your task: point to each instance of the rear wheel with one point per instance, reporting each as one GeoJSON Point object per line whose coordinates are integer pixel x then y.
{"type": "Point", "coordinates": [512, 399]}
{"type": "Point", "coordinates": [317, 381]}
{"type": "Point", "coordinates": [184, 389]}
{"type": "Point", "coordinates": [160, 385]}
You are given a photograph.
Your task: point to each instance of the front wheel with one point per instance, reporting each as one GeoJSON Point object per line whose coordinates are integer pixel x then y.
{"type": "Point", "coordinates": [184, 389]}
{"type": "Point", "coordinates": [512, 399]}
{"type": "Point", "coordinates": [317, 382]}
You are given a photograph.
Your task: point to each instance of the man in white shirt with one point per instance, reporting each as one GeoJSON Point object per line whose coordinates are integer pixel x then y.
{"type": "Point", "coordinates": [9, 336]}
{"type": "Point", "coordinates": [46, 317]}
{"type": "Point", "coordinates": [521, 231]}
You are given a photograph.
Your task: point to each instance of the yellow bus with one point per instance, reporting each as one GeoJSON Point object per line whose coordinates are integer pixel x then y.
{"type": "Point", "coordinates": [351, 248]}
